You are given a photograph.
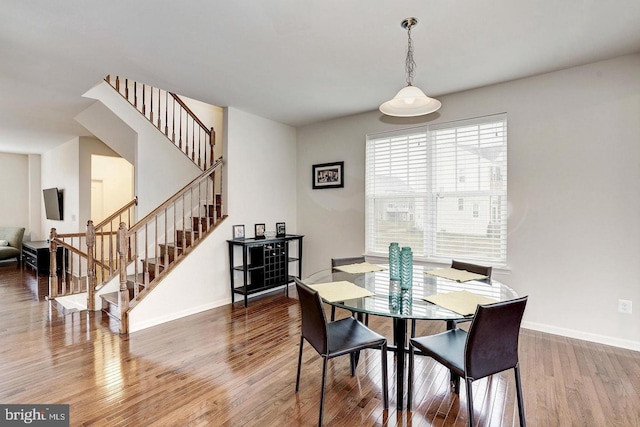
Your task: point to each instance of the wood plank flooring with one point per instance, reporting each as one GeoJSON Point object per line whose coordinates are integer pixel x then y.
{"type": "Point", "coordinates": [233, 366]}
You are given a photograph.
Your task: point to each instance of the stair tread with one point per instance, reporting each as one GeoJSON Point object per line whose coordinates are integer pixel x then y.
{"type": "Point", "coordinates": [169, 245]}
{"type": "Point", "coordinates": [111, 297]}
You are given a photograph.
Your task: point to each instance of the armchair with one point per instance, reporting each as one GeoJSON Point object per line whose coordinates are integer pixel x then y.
{"type": "Point", "coordinates": [11, 242]}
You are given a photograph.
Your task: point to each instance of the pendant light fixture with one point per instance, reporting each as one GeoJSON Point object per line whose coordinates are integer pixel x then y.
{"type": "Point", "coordinates": [410, 101]}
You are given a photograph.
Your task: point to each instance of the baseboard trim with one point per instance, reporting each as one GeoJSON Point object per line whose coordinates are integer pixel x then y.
{"type": "Point", "coordinates": [147, 323]}
{"type": "Point", "coordinates": [586, 336]}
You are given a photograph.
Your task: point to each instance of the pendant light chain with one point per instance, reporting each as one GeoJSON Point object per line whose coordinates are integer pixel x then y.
{"type": "Point", "coordinates": [410, 101]}
{"type": "Point", "coordinates": [410, 64]}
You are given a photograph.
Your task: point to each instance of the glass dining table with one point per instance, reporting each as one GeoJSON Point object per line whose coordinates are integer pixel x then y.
{"type": "Point", "coordinates": [407, 305]}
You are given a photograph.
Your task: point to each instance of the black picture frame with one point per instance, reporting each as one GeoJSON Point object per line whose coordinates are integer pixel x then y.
{"type": "Point", "coordinates": [238, 231]}
{"type": "Point", "coordinates": [328, 175]}
{"type": "Point", "coordinates": [259, 231]}
{"type": "Point", "coordinates": [281, 229]}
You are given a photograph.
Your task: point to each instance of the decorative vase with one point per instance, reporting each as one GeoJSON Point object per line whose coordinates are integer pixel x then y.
{"type": "Point", "coordinates": [406, 302]}
{"type": "Point", "coordinates": [406, 268]}
{"type": "Point", "coordinates": [394, 261]}
{"type": "Point", "coordinates": [394, 303]}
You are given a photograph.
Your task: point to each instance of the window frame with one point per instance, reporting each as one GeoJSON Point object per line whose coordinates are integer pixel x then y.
{"type": "Point", "coordinates": [490, 196]}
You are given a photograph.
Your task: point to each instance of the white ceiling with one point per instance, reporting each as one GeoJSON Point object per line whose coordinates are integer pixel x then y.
{"type": "Point", "coordinates": [296, 62]}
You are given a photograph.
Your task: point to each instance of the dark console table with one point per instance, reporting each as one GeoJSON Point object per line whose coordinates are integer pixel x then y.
{"type": "Point", "coordinates": [265, 264]}
{"type": "Point", "coordinates": [36, 255]}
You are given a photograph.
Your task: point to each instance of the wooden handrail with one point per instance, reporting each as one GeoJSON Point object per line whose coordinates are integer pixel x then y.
{"type": "Point", "coordinates": [196, 144]}
{"type": "Point", "coordinates": [74, 249]}
{"type": "Point", "coordinates": [117, 213]}
{"type": "Point", "coordinates": [175, 197]}
{"type": "Point", "coordinates": [61, 236]}
{"type": "Point", "coordinates": [191, 113]}
{"type": "Point", "coordinates": [159, 241]}
{"type": "Point", "coordinates": [99, 260]}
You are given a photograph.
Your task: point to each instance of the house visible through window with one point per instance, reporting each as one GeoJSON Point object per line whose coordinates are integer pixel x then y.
{"type": "Point", "coordinates": [419, 180]}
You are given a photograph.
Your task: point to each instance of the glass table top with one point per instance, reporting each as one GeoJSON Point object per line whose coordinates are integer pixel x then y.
{"type": "Point", "coordinates": [391, 301]}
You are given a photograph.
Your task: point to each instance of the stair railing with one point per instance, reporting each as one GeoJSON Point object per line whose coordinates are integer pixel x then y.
{"type": "Point", "coordinates": [158, 242]}
{"type": "Point", "coordinates": [90, 259]}
{"type": "Point", "coordinates": [168, 112]}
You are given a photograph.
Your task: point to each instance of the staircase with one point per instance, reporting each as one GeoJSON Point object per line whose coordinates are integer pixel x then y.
{"type": "Point", "coordinates": [154, 267]}
{"type": "Point", "coordinates": [123, 264]}
{"type": "Point", "coordinates": [184, 234]}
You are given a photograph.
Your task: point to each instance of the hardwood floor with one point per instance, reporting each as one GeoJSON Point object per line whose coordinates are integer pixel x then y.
{"type": "Point", "coordinates": [235, 367]}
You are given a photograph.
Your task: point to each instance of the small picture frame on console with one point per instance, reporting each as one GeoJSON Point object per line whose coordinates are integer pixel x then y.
{"type": "Point", "coordinates": [281, 229]}
{"type": "Point", "coordinates": [259, 231]}
{"type": "Point", "coordinates": [238, 231]}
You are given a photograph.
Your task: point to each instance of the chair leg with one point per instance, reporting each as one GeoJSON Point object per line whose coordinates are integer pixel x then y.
{"type": "Point", "coordinates": [469, 401]}
{"type": "Point", "coordinates": [333, 313]}
{"type": "Point", "coordinates": [299, 364]}
{"type": "Point", "coordinates": [352, 363]}
{"type": "Point", "coordinates": [395, 339]}
{"type": "Point", "coordinates": [385, 380]}
{"type": "Point", "coordinates": [324, 376]}
{"type": "Point", "coordinates": [410, 377]}
{"type": "Point", "coordinates": [455, 382]}
{"type": "Point", "coordinates": [523, 423]}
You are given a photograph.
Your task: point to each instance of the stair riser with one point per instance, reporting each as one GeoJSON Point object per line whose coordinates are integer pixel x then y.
{"type": "Point", "coordinates": [111, 310]}
{"type": "Point", "coordinates": [204, 222]}
{"type": "Point", "coordinates": [169, 252]}
{"type": "Point", "coordinates": [180, 234]}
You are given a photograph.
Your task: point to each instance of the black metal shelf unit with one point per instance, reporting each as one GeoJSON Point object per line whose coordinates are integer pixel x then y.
{"type": "Point", "coordinates": [265, 264]}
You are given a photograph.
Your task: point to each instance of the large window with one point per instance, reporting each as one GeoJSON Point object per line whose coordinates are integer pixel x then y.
{"type": "Point", "coordinates": [441, 189]}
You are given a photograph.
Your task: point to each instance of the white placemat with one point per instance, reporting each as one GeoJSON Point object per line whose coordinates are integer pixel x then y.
{"type": "Point", "coordinates": [462, 302]}
{"type": "Point", "coordinates": [340, 291]}
{"type": "Point", "coordinates": [362, 267]}
{"type": "Point", "coordinates": [455, 274]}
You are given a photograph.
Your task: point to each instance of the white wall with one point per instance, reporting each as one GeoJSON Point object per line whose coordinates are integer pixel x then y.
{"type": "Point", "coordinates": [14, 197]}
{"type": "Point", "coordinates": [108, 127]}
{"type": "Point", "coordinates": [211, 116]}
{"type": "Point", "coordinates": [68, 167]}
{"type": "Point", "coordinates": [261, 174]}
{"type": "Point", "coordinates": [116, 177]}
{"type": "Point", "coordinates": [573, 189]}
{"type": "Point", "coordinates": [59, 168]}
{"type": "Point", "coordinates": [261, 170]}
{"type": "Point", "coordinates": [89, 147]}
{"type": "Point", "coordinates": [34, 228]}
{"type": "Point", "coordinates": [160, 173]}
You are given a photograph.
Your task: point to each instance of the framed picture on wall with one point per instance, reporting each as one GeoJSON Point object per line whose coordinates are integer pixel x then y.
{"type": "Point", "coordinates": [281, 229]}
{"type": "Point", "coordinates": [328, 175]}
{"type": "Point", "coordinates": [259, 231]}
{"type": "Point", "coordinates": [238, 231]}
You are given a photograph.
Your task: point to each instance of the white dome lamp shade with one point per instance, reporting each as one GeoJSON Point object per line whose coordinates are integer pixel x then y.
{"type": "Point", "coordinates": [410, 101]}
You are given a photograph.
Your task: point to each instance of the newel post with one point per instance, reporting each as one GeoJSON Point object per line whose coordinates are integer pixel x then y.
{"type": "Point", "coordinates": [123, 294]}
{"type": "Point", "coordinates": [53, 268]}
{"type": "Point", "coordinates": [91, 267]}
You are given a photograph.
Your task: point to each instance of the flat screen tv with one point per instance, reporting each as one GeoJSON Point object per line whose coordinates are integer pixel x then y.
{"type": "Point", "coordinates": [53, 203]}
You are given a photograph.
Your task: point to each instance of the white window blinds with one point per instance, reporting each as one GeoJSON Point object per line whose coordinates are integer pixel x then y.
{"type": "Point", "coordinates": [442, 190]}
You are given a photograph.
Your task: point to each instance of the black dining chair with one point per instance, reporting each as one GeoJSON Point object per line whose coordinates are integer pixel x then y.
{"type": "Point", "coordinates": [345, 336]}
{"type": "Point", "coordinates": [336, 262]}
{"type": "Point", "coordinates": [472, 268]}
{"type": "Point", "coordinates": [490, 347]}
